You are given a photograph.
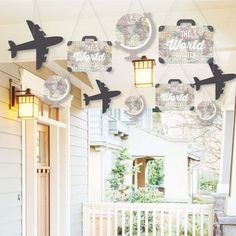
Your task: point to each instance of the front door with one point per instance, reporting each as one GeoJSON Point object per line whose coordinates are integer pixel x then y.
{"type": "Point", "coordinates": [43, 181]}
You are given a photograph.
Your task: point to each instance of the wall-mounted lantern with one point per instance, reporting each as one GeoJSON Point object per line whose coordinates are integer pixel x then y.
{"type": "Point", "coordinates": [143, 72]}
{"type": "Point", "coordinates": [28, 104]}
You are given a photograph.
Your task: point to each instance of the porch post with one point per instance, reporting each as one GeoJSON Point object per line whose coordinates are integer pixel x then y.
{"type": "Point", "coordinates": [225, 161]}
{"type": "Point", "coordinates": [231, 202]}
{"type": "Point", "coordinates": [31, 177]}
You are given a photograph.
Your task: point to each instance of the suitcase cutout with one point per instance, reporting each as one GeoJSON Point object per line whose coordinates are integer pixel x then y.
{"type": "Point", "coordinates": [174, 96]}
{"type": "Point", "coordinates": [89, 55]}
{"type": "Point", "coordinates": [185, 43]}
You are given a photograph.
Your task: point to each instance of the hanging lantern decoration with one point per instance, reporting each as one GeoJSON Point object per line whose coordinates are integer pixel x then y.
{"type": "Point", "coordinates": [28, 105]}
{"type": "Point", "coordinates": [143, 72]}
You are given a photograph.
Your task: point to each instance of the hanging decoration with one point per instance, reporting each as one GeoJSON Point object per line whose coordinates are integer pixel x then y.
{"type": "Point", "coordinates": [174, 96]}
{"type": "Point", "coordinates": [206, 111]}
{"type": "Point", "coordinates": [41, 43]}
{"type": "Point", "coordinates": [134, 105]}
{"type": "Point", "coordinates": [57, 89]}
{"type": "Point", "coordinates": [105, 95]}
{"type": "Point", "coordinates": [134, 33]}
{"type": "Point", "coordinates": [185, 43]}
{"type": "Point", "coordinates": [89, 55]}
{"type": "Point", "coordinates": [219, 79]}
{"type": "Point", "coordinates": [143, 72]}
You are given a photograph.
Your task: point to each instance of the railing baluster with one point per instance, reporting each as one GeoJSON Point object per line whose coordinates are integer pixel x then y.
{"type": "Point", "coordinates": [131, 222]}
{"type": "Point", "coordinates": [170, 223]}
{"type": "Point", "coordinates": [123, 222]}
{"type": "Point", "coordinates": [185, 222]}
{"type": "Point", "coordinates": [108, 222]}
{"type": "Point", "coordinates": [177, 221]}
{"type": "Point", "coordinates": [101, 221]}
{"type": "Point", "coordinates": [94, 222]}
{"type": "Point", "coordinates": [146, 222]}
{"type": "Point", "coordinates": [162, 222]}
{"type": "Point", "coordinates": [194, 221]}
{"type": "Point", "coordinates": [154, 222]}
{"type": "Point", "coordinates": [115, 221]}
{"type": "Point", "coordinates": [201, 223]}
{"type": "Point", "coordinates": [138, 223]}
{"type": "Point", "coordinates": [85, 218]}
{"type": "Point", "coordinates": [210, 221]}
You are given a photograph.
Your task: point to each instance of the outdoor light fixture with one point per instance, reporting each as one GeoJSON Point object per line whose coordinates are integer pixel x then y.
{"type": "Point", "coordinates": [143, 72]}
{"type": "Point", "coordinates": [28, 104]}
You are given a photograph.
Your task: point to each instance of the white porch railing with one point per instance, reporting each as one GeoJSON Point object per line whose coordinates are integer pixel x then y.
{"type": "Point", "coordinates": [161, 219]}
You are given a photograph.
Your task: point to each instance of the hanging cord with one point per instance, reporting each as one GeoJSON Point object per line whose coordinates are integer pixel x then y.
{"type": "Point", "coordinates": [186, 74]}
{"type": "Point", "coordinates": [77, 20]}
{"type": "Point", "coordinates": [36, 12]}
{"type": "Point", "coordinates": [131, 4]}
{"type": "Point", "coordinates": [164, 74]}
{"type": "Point", "coordinates": [169, 11]}
{"type": "Point", "coordinates": [98, 19]}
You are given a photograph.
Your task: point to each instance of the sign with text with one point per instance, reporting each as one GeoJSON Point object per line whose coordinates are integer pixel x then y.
{"type": "Point", "coordinates": [174, 97]}
{"type": "Point", "coordinates": [183, 44]}
{"type": "Point", "coordinates": [89, 55]}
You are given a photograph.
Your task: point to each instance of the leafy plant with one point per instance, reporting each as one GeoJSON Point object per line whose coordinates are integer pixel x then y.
{"type": "Point", "coordinates": [156, 172]}
{"type": "Point", "coordinates": [123, 168]}
{"type": "Point", "coordinates": [208, 185]}
{"type": "Point", "coordinates": [145, 195]}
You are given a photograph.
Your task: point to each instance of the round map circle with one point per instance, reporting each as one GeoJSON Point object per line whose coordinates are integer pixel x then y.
{"type": "Point", "coordinates": [56, 89]}
{"type": "Point", "coordinates": [134, 105]}
{"type": "Point", "coordinates": [133, 31]}
{"type": "Point", "coordinates": [206, 110]}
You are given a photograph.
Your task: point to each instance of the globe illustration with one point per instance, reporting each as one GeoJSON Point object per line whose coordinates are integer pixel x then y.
{"type": "Point", "coordinates": [133, 31]}
{"type": "Point", "coordinates": [56, 88]}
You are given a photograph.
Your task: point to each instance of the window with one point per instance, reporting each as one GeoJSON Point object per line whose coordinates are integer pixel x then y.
{"type": "Point", "coordinates": [48, 111]}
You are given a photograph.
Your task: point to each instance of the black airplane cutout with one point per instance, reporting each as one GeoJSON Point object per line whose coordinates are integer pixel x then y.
{"type": "Point", "coordinates": [40, 43]}
{"type": "Point", "coordinates": [219, 79]}
{"type": "Point", "coordinates": [105, 96]}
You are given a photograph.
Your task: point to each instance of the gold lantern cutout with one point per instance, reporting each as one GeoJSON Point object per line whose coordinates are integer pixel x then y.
{"type": "Point", "coordinates": [143, 72]}
{"type": "Point", "coordinates": [28, 105]}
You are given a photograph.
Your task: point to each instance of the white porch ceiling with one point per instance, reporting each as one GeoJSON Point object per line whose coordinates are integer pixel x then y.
{"type": "Point", "coordinates": [14, 11]}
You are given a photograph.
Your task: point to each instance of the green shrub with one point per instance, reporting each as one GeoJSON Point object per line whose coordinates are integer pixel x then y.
{"type": "Point", "coordinates": [145, 195]}
{"type": "Point", "coordinates": [208, 185]}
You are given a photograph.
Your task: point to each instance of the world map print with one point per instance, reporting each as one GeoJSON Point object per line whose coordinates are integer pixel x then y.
{"type": "Point", "coordinates": [133, 31]}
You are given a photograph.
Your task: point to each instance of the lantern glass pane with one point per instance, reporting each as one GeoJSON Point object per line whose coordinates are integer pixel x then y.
{"type": "Point", "coordinates": [145, 64]}
{"type": "Point", "coordinates": [25, 110]}
{"type": "Point", "coordinates": [27, 107]}
{"type": "Point", "coordinates": [143, 78]}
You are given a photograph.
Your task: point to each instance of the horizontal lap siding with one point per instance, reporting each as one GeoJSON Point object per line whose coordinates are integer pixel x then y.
{"type": "Point", "coordinates": [78, 162]}
{"type": "Point", "coordinates": [10, 164]}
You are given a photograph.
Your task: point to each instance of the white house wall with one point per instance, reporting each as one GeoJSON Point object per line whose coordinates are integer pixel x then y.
{"type": "Point", "coordinates": [78, 162]}
{"type": "Point", "coordinates": [10, 162]}
{"type": "Point", "coordinates": [175, 156]}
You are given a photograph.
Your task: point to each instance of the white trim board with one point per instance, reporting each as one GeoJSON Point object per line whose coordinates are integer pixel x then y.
{"type": "Point", "coordinates": [59, 152]}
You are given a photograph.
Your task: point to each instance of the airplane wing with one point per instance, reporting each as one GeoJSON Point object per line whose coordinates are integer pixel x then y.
{"type": "Point", "coordinates": [102, 87]}
{"type": "Point", "coordinates": [35, 30]}
{"type": "Point", "coordinates": [41, 56]}
{"type": "Point", "coordinates": [216, 71]}
{"type": "Point", "coordinates": [219, 89]}
{"type": "Point", "coordinates": [105, 104]}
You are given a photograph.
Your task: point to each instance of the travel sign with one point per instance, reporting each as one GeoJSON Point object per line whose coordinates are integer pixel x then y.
{"type": "Point", "coordinates": [89, 55]}
{"type": "Point", "coordinates": [174, 97]}
{"type": "Point", "coordinates": [185, 43]}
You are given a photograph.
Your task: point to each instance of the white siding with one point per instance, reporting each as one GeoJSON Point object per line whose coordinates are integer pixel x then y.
{"type": "Point", "coordinates": [10, 161]}
{"type": "Point", "coordinates": [78, 162]}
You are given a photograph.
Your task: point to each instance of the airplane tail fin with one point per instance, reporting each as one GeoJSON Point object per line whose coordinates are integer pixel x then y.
{"type": "Point", "coordinates": [12, 49]}
{"type": "Point", "coordinates": [86, 99]}
{"type": "Point", "coordinates": [197, 83]}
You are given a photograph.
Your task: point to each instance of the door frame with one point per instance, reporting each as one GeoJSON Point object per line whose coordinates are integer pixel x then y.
{"type": "Point", "coordinates": [59, 175]}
